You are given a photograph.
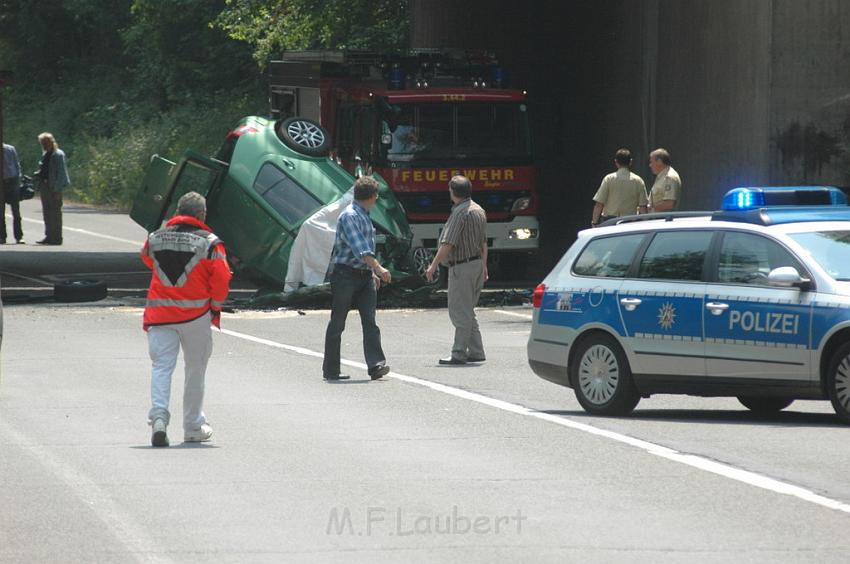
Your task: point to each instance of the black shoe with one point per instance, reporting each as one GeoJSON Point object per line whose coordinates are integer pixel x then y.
{"type": "Point", "coordinates": [49, 242]}
{"type": "Point", "coordinates": [377, 372]}
{"type": "Point", "coordinates": [476, 359]}
{"type": "Point", "coordinates": [336, 377]}
{"type": "Point", "coordinates": [452, 361]}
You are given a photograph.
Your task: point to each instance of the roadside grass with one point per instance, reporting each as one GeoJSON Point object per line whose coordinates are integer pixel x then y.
{"type": "Point", "coordinates": [109, 138]}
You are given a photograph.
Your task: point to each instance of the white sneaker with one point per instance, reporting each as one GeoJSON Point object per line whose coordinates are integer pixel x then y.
{"type": "Point", "coordinates": [201, 435]}
{"type": "Point", "coordinates": [159, 437]}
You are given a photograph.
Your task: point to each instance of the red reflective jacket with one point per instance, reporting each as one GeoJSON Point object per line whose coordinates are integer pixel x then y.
{"type": "Point", "coordinates": [190, 273]}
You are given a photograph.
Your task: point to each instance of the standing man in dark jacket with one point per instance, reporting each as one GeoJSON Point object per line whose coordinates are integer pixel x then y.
{"type": "Point", "coordinates": [355, 279]}
{"type": "Point", "coordinates": [191, 280]}
{"type": "Point", "coordinates": [10, 193]}
{"type": "Point", "coordinates": [52, 178]}
{"type": "Point", "coordinates": [463, 248]}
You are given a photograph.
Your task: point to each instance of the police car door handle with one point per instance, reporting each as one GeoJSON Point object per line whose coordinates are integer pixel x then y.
{"type": "Point", "coordinates": [716, 308]}
{"type": "Point", "coordinates": [629, 304]}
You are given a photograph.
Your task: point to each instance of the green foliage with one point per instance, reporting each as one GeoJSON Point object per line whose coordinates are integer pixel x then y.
{"type": "Point", "coordinates": [119, 80]}
{"type": "Point", "coordinates": [272, 26]}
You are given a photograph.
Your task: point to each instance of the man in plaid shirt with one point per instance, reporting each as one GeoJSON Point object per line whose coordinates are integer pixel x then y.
{"type": "Point", "coordinates": [355, 279]}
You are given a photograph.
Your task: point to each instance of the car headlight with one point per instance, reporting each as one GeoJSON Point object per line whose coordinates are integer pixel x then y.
{"type": "Point", "coordinates": [521, 204]}
{"type": "Point", "coordinates": [522, 233]}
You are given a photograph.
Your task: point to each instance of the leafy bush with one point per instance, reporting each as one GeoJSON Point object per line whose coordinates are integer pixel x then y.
{"type": "Point", "coordinates": [109, 144]}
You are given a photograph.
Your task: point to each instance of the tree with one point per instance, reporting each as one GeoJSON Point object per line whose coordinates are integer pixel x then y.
{"type": "Point", "coordinates": [272, 26]}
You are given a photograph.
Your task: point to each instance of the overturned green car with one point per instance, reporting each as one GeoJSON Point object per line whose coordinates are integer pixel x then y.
{"type": "Point", "coordinates": [273, 196]}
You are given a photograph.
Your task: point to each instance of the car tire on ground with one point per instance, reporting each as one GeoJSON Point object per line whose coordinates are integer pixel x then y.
{"type": "Point", "coordinates": [765, 405]}
{"type": "Point", "coordinates": [838, 382]}
{"type": "Point", "coordinates": [79, 291]}
{"type": "Point", "coordinates": [304, 136]}
{"type": "Point", "coordinates": [601, 376]}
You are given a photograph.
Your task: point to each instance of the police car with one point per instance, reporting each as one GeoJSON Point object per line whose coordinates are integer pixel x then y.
{"type": "Point", "coordinates": [751, 301]}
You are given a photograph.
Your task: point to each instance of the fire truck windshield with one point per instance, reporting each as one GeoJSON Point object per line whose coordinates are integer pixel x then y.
{"type": "Point", "coordinates": [441, 133]}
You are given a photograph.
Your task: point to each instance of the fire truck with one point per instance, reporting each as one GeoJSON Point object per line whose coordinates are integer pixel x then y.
{"type": "Point", "coordinates": [416, 120]}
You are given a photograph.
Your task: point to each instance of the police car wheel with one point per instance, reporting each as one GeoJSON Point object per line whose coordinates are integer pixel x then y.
{"type": "Point", "coordinates": [838, 382]}
{"type": "Point", "coordinates": [765, 405]}
{"type": "Point", "coordinates": [304, 136]}
{"type": "Point", "coordinates": [601, 377]}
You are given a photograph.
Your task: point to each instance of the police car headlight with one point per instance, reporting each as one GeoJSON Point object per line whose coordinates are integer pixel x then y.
{"type": "Point", "coordinates": [521, 204]}
{"type": "Point", "coordinates": [522, 234]}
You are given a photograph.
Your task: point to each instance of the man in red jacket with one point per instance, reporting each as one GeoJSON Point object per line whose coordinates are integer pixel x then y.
{"type": "Point", "coordinates": [190, 282]}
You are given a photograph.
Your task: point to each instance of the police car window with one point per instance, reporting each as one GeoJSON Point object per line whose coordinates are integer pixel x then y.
{"type": "Point", "coordinates": [608, 257]}
{"type": "Point", "coordinates": [287, 197]}
{"type": "Point", "coordinates": [831, 250]}
{"type": "Point", "coordinates": [748, 259]}
{"type": "Point", "coordinates": [675, 255]}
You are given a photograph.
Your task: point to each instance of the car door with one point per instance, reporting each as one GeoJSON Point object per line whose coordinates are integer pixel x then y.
{"type": "Point", "coordinates": [166, 182]}
{"type": "Point", "coordinates": [661, 304]}
{"type": "Point", "coordinates": [753, 329]}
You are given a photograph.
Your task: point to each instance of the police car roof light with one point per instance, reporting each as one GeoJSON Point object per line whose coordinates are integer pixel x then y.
{"type": "Point", "coordinates": [750, 198]}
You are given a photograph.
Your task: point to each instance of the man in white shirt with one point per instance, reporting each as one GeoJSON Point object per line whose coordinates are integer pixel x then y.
{"type": "Point", "coordinates": [621, 193]}
{"type": "Point", "coordinates": [666, 192]}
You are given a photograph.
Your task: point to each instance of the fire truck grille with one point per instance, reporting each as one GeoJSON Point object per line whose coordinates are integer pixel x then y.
{"type": "Point", "coordinates": [439, 202]}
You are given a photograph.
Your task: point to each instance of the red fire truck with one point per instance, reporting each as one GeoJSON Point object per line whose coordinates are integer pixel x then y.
{"type": "Point", "coordinates": [416, 120]}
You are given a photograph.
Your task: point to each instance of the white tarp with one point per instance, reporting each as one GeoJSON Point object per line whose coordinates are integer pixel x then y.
{"type": "Point", "coordinates": [313, 246]}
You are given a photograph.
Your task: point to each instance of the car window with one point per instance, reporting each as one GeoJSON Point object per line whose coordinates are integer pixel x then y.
{"type": "Point", "coordinates": [608, 257]}
{"type": "Point", "coordinates": [675, 255]}
{"type": "Point", "coordinates": [831, 249]}
{"type": "Point", "coordinates": [746, 258]}
{"type": "Point", "coordinates": [287, 197]}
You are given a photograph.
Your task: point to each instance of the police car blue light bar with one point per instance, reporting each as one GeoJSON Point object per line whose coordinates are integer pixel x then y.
{"type": "Point", "coordinates": [754, 197]}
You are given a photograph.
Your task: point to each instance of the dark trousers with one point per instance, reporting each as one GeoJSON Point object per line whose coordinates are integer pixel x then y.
{"type": "Point", "coordinates": [51, 209]}
{"type": "Point", "coordinates": [352, 290]}
{"type": "Point", "coordinates": [9, 194]}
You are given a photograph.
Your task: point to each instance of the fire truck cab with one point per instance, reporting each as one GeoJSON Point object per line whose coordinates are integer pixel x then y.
{"type": "Point", "coordinates": [416, 120]}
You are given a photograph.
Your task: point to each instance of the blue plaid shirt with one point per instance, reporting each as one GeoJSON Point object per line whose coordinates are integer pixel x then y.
{"type": "Point", "coordinates": [355, 237]}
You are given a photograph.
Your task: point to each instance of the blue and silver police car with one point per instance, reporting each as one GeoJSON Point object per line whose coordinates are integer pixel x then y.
{"type": "Point", "coordinates": [751, 301]}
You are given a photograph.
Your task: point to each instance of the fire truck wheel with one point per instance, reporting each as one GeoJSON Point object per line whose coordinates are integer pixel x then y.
{"type": "Point", "coordinates": [304, 136]}
{"type": "Point", "coordinates": [79, 291]}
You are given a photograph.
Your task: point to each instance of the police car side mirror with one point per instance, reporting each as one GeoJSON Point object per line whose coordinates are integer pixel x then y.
{"type": "Point", "coordinates": [787, 277]}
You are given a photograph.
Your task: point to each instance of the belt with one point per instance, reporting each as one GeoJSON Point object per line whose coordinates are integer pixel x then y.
{"type": "Point", "coordinates": [353, 270]}
{"type": "Point", "coordinates": [470, 259]}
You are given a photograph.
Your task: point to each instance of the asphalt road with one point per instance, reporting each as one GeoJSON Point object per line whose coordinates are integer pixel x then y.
{"type": "Point", "coordinates": [465, 464]}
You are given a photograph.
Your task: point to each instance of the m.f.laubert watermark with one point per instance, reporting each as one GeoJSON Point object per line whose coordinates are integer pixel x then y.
{"type": "Point", "coordinates": [395, 522]}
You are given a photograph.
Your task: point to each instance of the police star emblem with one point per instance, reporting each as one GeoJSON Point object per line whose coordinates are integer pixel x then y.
{"type": "Point", "coordinates": [667, 315]}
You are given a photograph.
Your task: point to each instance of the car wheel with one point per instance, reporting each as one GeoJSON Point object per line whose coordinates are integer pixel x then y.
{"type": "Point", "coordinates": [304, 136]}
{"type": "Point", "coordinates": [764, 405]}
{"type": "Point", "coordinates": [602, 378]}
{"type": "Point", "coordinates": [79, 291]}
{"type": "Point", "coordinates": [838, 382]}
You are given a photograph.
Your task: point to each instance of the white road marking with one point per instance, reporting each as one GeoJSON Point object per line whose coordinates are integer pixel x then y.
{"type": "Point", "coordinates": [692, 460]}
{"type": "Point", "coordinates": [85, 232]}
{"type": "Point", "coordinates": [513, 314]}
{"type": "Point", "coordinates": [127, 531]}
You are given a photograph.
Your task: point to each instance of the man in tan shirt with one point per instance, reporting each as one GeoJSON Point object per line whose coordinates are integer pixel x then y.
{"type": "Point", "coordinates": [463, 248]}
{"type": "Point", "coordinates": [666, 192]}
{"type": "Point", "coordinates": [621, 193]}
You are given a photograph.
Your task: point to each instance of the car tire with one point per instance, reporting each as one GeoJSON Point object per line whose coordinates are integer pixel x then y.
{"type": "Point", "coordinates": [418, 261]}
{"type": "Point", "coordinates": [79, 291]}
{"type": "Point", "coordinates": [304, 136]}
{"type": "Point", "coordinates": [765, 405]}
{"type": "Point", "coordinates": [838, 382]}
{"type": "Point", "coordinates": [601, 377]}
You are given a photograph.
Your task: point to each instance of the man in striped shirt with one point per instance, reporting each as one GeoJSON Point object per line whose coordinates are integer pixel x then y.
{"type": "Point", "coordinates": [355, 279]}
{"type": "Point", "coordinates": [463, 248]}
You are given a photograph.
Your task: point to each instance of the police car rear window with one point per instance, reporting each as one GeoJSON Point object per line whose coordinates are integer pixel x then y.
{"type": "Point", "coordinates": [608, 257]}
{"type": "Point", "coordinates": [675, 255]}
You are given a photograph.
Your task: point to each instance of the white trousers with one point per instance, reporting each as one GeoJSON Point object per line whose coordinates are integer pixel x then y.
{"type": "Point", "coordinates": [164, 342]}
